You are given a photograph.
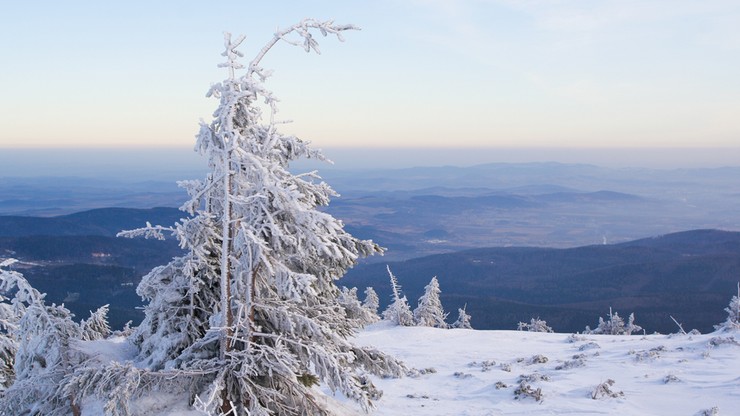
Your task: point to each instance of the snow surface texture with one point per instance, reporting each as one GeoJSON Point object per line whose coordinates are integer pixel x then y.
{"type": "Point", "coordinates": [477, 373]}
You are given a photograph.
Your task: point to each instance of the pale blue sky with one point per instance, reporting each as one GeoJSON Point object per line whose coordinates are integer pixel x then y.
{"type": "Point", "coordinates": [432, 73]}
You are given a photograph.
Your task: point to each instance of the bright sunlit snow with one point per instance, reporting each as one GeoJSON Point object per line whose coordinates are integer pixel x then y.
{"type": "Point", "coordinates": [478, 372]}
{"type": "Point", "coordinates": [475, 373]}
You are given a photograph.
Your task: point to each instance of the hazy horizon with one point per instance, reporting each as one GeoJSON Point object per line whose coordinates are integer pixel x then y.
{"type": "Point", "coordinates": [173, 163]}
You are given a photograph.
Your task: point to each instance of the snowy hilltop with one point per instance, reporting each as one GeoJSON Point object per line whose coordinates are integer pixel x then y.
{"type": "Point", "coordinates": [471, 372]}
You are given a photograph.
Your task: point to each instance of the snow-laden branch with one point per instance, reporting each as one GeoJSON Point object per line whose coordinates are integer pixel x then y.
{"type": "Point", "coordinates": [303, 30]}
{"type": "Point", "coordinates": [150, 231]}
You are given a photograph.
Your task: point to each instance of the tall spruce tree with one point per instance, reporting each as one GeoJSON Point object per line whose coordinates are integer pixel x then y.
{"type": "Point", "coordinates": [248, 319]}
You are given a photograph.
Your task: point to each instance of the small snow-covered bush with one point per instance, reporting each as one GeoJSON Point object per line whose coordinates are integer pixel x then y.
{"type": "Point", "coordinates": [615, 325]}
{"type": "Point", "coordinates": [714, 411]}
{"type": "Point", "coordinates": [534, 325]}
{"type": "Point", "coordinates": [604, 390]}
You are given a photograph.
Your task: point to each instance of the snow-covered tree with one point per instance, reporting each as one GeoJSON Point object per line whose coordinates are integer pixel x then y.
{"type": "Point", "coordinates": [41, 336]}
{"type": "Point", "coordinates": [248, 319]}
{"type": "Point", "coordinates": [463, 319]}
{"type": "Point", "coordinates": [534, 325]}
{"type": "Point", "coordinates": [733, 314]}
{"type": "Point", "coordinates": [371, 304]}
{"type": "Point", "coordinates": [429, 311]}
{"type": "Point", "coordinates": [353, 308]}
{"type": "Point", "coordinates": [615, 325]}
{"type": "Point", "coordinates": [399, 311]}
{"type": "Point", "coordinates": [9, 317]}
{"type": "Point", "coordinates": [96, 326]}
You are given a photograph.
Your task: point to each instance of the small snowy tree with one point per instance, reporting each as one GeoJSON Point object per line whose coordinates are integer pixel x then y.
{"type": "Point", "coordinates": [733, 314]}
{"type": "Point", "coordinates": [248, 319]}
{"type": "Point", "coordinates": [399, 311]}
{"type": "Point", "coordinates": [534, 325]}
{"type": "Point", "coordinates": [615, 325]}
{"type": "Point", "coordinates": [371, 304]}
{"type": "Point", "coordinates": [353, 308]}
{"type": "Point", "coordinates": [463, 319]}
{"type": "Point", "coordinates": [429, 311]}
{"type": "Point", "coordinates": [41, 336]}
{"type": "Point", "coordinates": [96, 326]}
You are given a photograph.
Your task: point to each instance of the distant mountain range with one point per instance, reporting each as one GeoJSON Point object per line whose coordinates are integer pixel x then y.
{"type": "Point", "coordinates": [433, 210]}
{"type": "Point", "coordinates": [691, 275]}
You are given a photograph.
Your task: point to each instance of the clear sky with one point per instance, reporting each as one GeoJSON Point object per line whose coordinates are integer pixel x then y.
{"type": "Point", "coordinates": [421, 73]}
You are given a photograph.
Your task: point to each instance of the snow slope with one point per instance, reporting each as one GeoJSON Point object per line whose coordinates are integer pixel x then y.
{"type": "Point", "coordinates": [658, 374]}
{"type": "Point", "coordinates": [455, 372]}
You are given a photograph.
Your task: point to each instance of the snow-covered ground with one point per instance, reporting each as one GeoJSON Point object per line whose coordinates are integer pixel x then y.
{"type": "Point", "coordinates": [459, 372]}
{"type": "Point", "coordinates": [469, 372]}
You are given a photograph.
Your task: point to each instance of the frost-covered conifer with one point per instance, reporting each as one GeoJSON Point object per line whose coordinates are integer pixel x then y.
{"type": "Point", "coordinates": [534, 325]}
{"type": "Point", "coordinates": [41, 336]}
{"type": "Point", "coordinates": [399, 311]}
{"type": "Point", "coordinates": [96, 326]}
{"type": "Point", "coordinates": [371, 304]}
{"type": "Point", "coordinates": [429, 311]}
{"type": "Point", "coordinates": [353, 308]}
{"type": "Point", "coordinates": [248, 320]}
{"type": "Point", "coordinates": [8, 343]}
{"type": "Point", "coordinates": [733, 314]}
{"type": "Point", "coordinates": [615, 325]}
{"type": "Point", "coordinates": [463, 319]}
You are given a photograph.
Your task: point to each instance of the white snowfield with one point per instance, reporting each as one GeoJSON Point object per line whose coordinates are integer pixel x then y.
{"type": "Point", "coordinates": [460, 372]}
{"type": "Point", "coordinates": [477, 372]}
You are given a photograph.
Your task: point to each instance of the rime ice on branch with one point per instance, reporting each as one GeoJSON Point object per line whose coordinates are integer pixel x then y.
{"type": "Point", "coordinates": [249, 317]}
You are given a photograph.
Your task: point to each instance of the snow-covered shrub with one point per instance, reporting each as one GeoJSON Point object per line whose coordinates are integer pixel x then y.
{"type": "Point", "coordinates": [589, 346]}
{"type": "Point", "coordinates": [604, 390]}
{"type": "Point", "coordinates": [615, 325]}
{"type": "Point", "coordinates": [651, 354]}
{"type": "Point", "coordinates": [463, 319]}
{"type": "Point", "coordinates": [399, 311]}
{"type": "Point", "coordinates": [534, 325]}
{"type": "Point", "coordinates": [483, 365]}
{"type": "Point", "coordinates": [733, 314]}
{"type": "Point", "coordinates": [538, 359]}
{"type": "Point", "coordinates": [577, 361]}
{"type": "Point", "coordinates": [717, 341]}
{"type": "Point", "coordinates": [573, 338]}
{"type": "Point", "coordinates": [525, 389]}
{"type": "Point", "coordinates": [713, 411]}
{"type": "Point", "coordinates": [429, 311]}
{"type": "Point", "coordinates": [671, 378]}
{"type": "Point", "coordinates": [418, 372]}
